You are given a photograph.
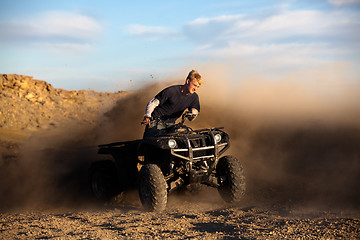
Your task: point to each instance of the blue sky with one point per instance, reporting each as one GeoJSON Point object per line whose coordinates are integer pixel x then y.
{"type": "Point", "coordinates": [120, 45]}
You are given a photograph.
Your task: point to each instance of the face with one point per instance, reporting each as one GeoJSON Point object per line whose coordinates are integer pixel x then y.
{"type": "Point", "coordinates": [192, 86]}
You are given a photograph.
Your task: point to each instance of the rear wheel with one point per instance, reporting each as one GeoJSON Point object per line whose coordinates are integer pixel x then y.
{"type": "Point", "coordinates": [152, 188]}
{"type": "Point", "coordinates": [231, 179]}
{"type": "Point", "coordinates": [103, 180]}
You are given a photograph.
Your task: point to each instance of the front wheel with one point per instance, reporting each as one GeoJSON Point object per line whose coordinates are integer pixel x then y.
{"type": "Point", "coordinates": [152, 188]}
{"type": "Point", "coordinates": [231, 179]}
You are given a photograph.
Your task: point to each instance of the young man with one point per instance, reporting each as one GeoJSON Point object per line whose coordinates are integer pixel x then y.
{"type": "Point", "coordinates": [170, 103]}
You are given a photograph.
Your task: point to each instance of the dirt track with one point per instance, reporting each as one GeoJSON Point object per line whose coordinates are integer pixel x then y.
{"type": "Point", "coordinates": [185, 218]}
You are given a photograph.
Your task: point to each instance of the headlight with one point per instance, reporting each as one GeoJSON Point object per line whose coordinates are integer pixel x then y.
{"type": "Point", "coordinates": [172, 143]}
{"type": "Point", "coordinates": [217, 138]}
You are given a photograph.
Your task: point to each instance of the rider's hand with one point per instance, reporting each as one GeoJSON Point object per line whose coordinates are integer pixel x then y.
{"type": "Point", "coordinates": [192, 115]}
{"type": "Point", "coordinates": [146, 120]}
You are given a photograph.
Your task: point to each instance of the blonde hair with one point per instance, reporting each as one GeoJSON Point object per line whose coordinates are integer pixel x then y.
{"type": "Point", "coordinates": [194, 75]}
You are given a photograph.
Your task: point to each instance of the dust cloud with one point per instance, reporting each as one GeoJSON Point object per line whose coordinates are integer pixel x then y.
{"type": "Point", "coordinates": [298, 139]}
{"type": "Point", "coordinates": [52, 168]}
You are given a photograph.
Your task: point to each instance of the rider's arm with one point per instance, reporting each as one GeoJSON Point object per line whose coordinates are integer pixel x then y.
{"type": "Point", "coordinates": [152, 104]}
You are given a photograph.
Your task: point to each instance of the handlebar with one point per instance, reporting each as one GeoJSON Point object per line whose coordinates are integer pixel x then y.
{"type": "Point", "coordinates": [190, 116]}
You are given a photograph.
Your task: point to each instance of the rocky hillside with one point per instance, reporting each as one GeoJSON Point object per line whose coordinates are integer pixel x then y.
{"type": "Point", "coordinates": [30, 104]}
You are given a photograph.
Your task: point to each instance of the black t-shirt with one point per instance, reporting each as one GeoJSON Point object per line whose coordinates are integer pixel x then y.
{"type": "Point", "coordinates": [173, 103]}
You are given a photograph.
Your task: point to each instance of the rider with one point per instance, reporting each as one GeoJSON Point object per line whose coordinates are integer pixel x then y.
{"type": "Point", "coordinates": [170, 103]}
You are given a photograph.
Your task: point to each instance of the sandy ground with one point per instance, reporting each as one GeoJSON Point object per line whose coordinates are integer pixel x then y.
{"type": "Point", "coordinates": [186, 217]}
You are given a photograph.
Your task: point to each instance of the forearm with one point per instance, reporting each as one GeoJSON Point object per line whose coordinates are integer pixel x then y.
{"type": "Point", "coordinates": [152, 104]}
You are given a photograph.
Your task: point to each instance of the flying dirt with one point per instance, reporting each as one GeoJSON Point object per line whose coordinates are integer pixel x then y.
{"type": "Point", "coordinates": [300, 149]}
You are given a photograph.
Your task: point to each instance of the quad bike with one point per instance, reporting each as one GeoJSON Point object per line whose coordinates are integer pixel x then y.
{"type": "Point", "coordinates": [157, 166]}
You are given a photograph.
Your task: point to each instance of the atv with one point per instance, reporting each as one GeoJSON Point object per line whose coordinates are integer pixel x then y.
{"type": "Point", "coordinates": [179, 158]}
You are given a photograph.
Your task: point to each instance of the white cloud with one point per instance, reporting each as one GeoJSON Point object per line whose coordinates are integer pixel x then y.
{"type": "Point", "coordinates": [284, 41]}
{"type": "Point", "coordinates": [289, 22]}
{"type": "Point", "coordinates": [343, 2]}
{"type": "Point", "coordinates": [295, 55]}
{"type": "Point", "coordinates": [149, 32]}
{"type": "Point", "coordinates": [50, 26]}
{"type": "Point", "coordinates": [223, 18]}
{"type": "Point", "coordinates": [285, 25]}
{"type": "Point", "coordinates": [66, 23]}
{"type": "Point", "coordinates": [210, 29]}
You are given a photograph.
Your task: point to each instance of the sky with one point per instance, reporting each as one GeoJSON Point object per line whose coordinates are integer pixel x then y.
{"type": "Point", "coordinates": [113, 45]}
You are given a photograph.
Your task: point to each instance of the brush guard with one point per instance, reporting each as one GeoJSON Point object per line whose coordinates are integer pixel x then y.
{"type": "Point", "coordinates": [208, 156]}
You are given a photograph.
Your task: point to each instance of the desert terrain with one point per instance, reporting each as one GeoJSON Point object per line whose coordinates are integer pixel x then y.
{"type": "Point", "coordinates": [302, 176]}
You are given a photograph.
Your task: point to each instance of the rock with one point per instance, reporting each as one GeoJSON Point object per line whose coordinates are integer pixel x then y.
{"type": "Point", "coordinates": [29, 96]}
